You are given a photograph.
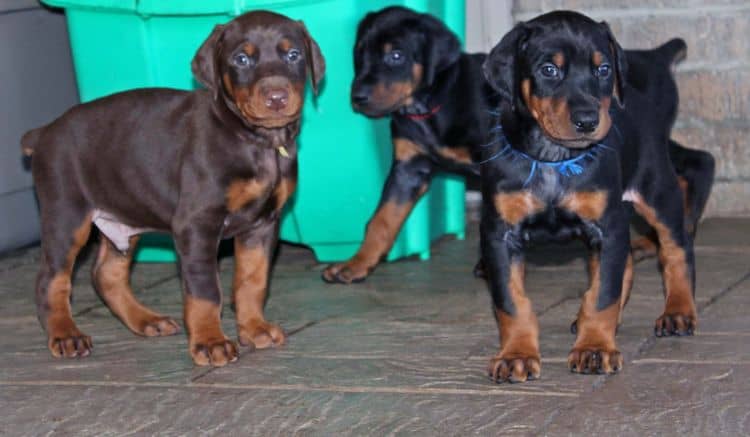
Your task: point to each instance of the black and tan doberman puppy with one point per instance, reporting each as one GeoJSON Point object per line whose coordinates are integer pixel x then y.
{"type": "Point", "coordinates": [409, 66]}
{"type": "Point", "coordinates": [577, 144]}
{"type": "Point", "coordinates": [204, 166]}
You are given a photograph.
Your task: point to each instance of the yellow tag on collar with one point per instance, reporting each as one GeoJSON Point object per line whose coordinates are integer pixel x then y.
{"type": "Point", "coordinates": [282, 151]}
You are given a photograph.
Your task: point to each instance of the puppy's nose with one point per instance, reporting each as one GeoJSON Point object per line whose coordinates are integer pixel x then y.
{"type": "Point", "coordinates": [360, 96]}
{"type": "Point", "coordinates": [585, 121]}
{"type": "Point", "coordinates": [276, 99]}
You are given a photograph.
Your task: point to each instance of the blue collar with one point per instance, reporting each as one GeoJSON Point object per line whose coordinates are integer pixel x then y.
{"type": "Point", "coordinates": [565, 168]}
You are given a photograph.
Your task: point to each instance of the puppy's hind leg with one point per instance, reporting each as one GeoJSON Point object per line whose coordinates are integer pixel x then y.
{"type": "Point", "coordinates": [65, 230]}
{"type": "Point", "coordinates": [111, 278]}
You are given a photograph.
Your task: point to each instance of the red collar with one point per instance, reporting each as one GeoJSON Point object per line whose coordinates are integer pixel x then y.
{"type": "Point", "coordinates": [424, 116]}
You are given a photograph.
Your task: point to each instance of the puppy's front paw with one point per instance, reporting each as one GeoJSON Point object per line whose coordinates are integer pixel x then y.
{"type": "Point", "coordinates": [675, 324]}
{"type": "Point", "coordinates": [594, 360]}
{"type": "Point", "coordinates": [217, 352]}
{"type": "Point", "coordinates": [514, 368]}
{"type": "Point", "coordinates": [157, 326]}
{"type": "Point", "coordinates": [64, 339]}
{"type": "Point", "coordinates": [346, 273]}
{"type": "Point", "coordinates": [261, 334]}
{"type": "Point", "coordinates": [70, 345]}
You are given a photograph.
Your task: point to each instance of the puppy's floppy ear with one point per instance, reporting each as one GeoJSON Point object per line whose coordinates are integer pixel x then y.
{"type": "Point", "coordinates": [442, 48]}
{"type": "Point", "coordinates": [204, 61]}
{"type": "Point", "coordinates": [620, 67]}
{"type": "Point", "coordinates": [500, 66]}
{"type": "Point", "coordinates": [316, 64]}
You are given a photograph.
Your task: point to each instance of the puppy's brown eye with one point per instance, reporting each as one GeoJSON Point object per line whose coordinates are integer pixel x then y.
{"type": "Point", "coordinates": [241, 60]}
{"type": "Point", "coordinates": [293, 56]}
{"type": "Point", "coordinates": [603, 71]}
{"type": "Point", "coordinates": [550, 70]}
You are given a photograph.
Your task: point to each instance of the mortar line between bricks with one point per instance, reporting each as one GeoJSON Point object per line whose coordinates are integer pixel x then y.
{"type": "Point", "coordinates": [611, 13]}
{"type": "Point", "coordinates": [293, 387]}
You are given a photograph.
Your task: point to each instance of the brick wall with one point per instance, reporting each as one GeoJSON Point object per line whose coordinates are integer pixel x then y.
{"type": "Point", "coordinates": [714, 80]}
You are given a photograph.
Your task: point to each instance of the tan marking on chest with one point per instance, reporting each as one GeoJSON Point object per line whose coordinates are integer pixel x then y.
{"type": "Point", "coordinates": [284, 191]}
{"type": "Point", "coordinates": [517, 206]}
{"type": "Point", "coordinates": [243, 191]}
{"type": "Point", "coordinates": [458, 154]}
{"type": "Point", "coordinates": [404, 149]}
{"type": "Point", "coordinates": [588, 205]}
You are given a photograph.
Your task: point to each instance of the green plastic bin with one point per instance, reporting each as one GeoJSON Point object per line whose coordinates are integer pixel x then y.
{"type": "Point", "coordinates": [343, 157]}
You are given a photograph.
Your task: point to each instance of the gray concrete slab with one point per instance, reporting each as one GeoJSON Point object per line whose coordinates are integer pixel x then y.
{"type": "Point", "coordinates": [402, 354]}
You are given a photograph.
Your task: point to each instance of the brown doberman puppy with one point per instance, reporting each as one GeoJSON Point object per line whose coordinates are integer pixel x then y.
{"type": "Point", "coordinates": [204, 166]}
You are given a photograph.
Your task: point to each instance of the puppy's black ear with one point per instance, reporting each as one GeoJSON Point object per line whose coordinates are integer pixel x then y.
{"type": "Point", "coordinates": [620, 67]}
{"type": "Point", "coordinates": [204, 61]}
{"type": "Point", "coordinates": [316, 64]}
{"type": "Point", "coordinates": [500, 66]}
{"type": "Point", "coordinates": [441, 50]}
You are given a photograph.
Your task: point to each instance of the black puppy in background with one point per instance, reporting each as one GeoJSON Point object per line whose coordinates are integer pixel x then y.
{"type": "Point", "coordinates": [409, 66]}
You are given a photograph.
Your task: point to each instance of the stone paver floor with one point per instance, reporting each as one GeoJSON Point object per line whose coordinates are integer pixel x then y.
{"type": "Point", "coordinates": [403, 353]}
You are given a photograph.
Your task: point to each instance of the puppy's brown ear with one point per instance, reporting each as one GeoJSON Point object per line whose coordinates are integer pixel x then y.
{"type": "Point", "coordinates": [501, 69]}
{"type": "Point", "coordinates": [316, 64]}
{"type": "Point", "coordinates": [204, 62]}
{"type": "Point", "coordinates": [620, 67]}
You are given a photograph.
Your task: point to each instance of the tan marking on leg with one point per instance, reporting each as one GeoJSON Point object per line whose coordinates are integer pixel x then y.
{"type": "Point", "coordinates": [243, 191]}
{"type": "Point", "coordinates": [595, 349]}
{"type": "Point", "coordinates": [457, 154]}
{"type": "Point", "coordinates": [404, 150]}
{"type": "Point", "coordinates": [679, 312]}
{"type": "Point", "coordinates": [111, 276]}
{"type": "Point", "coordinates": [519, 356]}
{"type": "Point", "coordinates": [588, 205]}
{"type": "Point", "coordinates": [684, 187]}
{"type": "Point", "coordinates": [284, 191]}
{"type": "Point", "coordinates": [516, 206]}
{"type": "Point", "coordinates": [250, 286]}
{"type": "Point", "coordinates": [207, 342]}
{"type": "Point", "coordinates": [644, 246]}
{"type": "Point", "coordinates": [64, 339]}
{"type": "Point", "coordinates": [627, 286]}
{"type": "Point", "coordinates": [381, 232]}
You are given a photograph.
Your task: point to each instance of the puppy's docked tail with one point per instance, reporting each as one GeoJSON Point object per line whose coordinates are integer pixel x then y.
{"type": "Point", "coordinates": [29, 141]}
{"type": "Point", "coordinates": [672, 52]}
